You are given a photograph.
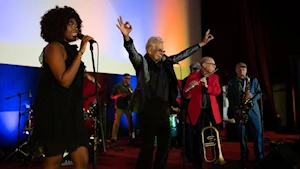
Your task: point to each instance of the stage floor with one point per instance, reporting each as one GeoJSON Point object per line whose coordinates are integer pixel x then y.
{"type": "Point", "coordinates": [126, 159]}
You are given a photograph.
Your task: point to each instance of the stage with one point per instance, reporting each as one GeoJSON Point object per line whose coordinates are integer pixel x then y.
{"type": "Point", "coordinates": [126, 159]}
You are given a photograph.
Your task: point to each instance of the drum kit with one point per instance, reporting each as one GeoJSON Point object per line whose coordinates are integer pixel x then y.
{"type": "Point", "coordinates": [93, 121]}
{"type": "Point", "coordinates": [26, 148]}
{"type": "Point", "coordinates": [92, 124]}
{"type": "Point", "coordinates": [90, 115]}
{"type": "Point", "coordinates": [28, 128]}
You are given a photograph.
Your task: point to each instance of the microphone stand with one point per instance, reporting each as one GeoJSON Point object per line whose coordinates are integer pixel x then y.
{"type": "Point", "coordinates": [97, 119]}
{"type": "Point", "coordinates": [18, 149]}
{"type": "Point", "coordinates": [262, 122]}
{"type": "Point", "coordinates": [184, 113]}
{"type": "Point", "coordinates": [183, 137]}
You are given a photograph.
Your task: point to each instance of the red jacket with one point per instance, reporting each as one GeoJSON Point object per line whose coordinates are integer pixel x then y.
{"type": "Point", "coordinates": [194, 108]}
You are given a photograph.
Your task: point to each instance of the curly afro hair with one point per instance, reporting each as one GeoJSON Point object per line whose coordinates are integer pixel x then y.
{"type": "Point", "coordinates": [54, 23]}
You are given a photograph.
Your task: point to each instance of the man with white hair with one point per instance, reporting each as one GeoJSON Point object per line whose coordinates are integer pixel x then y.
{"type": "Point", "coordinates": [155, 94]}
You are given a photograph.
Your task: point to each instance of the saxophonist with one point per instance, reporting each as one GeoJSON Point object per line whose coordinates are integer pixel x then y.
{"type": "Point", "coordinates": [243, 94]}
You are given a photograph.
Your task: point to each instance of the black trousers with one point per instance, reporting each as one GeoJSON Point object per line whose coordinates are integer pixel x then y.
{"type": "Point", "coordinates": [194, 138]}
{"type": "Point", "coordinates": [154, 121]}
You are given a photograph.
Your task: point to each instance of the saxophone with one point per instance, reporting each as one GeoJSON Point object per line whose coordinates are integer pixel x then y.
{"type": "Point", "coordinates": [247, 104]}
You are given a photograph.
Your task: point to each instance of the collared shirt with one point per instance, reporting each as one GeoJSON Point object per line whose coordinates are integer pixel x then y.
{"type": "Point", "coordinates": [205, 97]}
{"type": "Point", "coordinates": [241, 88]}
{"type": "Point", "coordinates": [158, 86]}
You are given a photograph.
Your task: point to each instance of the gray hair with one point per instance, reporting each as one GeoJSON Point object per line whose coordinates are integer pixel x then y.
{"type": "Point", "coordinates": [152, 41]}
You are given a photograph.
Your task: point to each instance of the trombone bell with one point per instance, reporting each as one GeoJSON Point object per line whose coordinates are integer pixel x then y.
{"type": "Point", "coordinates": [214, 143]}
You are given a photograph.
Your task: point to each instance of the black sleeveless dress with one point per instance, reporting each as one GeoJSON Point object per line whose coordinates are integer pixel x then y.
{"type": "Point", "coordinates": [58, 112]}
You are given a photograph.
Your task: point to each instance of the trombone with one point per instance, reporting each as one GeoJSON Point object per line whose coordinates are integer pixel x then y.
{"type": "Point", "coordinates": [213, 142]}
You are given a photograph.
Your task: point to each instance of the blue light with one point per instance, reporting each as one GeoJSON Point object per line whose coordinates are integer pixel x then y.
{"type": "Point", "coordinates": [9, 120]}
{"type": "Point", "coordinates": [111, 81]}
{"type": "Point", "coordinates": [15, 80]}
{"type": "Point", "coordinates": [18, 79]}
{"type": "Point", "coordinates": [27, 106]}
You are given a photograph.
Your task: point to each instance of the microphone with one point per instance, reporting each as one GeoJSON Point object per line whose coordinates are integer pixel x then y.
{"type": "Point", "coordinates": [80, 36]}
{"type": "Point", "coordinates": [29, 93]}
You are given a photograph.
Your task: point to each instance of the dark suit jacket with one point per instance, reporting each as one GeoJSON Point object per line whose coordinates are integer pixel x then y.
{"type": "Point", "coordinates": [140, 65]}
{"type": "Point", "coordinates": [234, 98]}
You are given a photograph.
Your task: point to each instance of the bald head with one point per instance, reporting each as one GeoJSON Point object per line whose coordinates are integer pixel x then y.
{"type": "Point", "coordinates": [206, 59]}
{"type": "Point", "coordinates": [208, 64]}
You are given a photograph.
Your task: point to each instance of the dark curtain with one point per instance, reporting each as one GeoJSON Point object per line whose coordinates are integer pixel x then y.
{"type": "Point", "coordinates": [241, 35]}
{"type": "Point", "coordinates": [256, 50]}
{"type": "Point", "coordinates": [293, 93]}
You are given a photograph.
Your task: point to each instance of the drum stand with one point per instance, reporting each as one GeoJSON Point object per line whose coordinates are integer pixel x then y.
{"type": "Point", "coordinates": [99, 115]}
{"type": "Point", "coordinates": [18, 149]}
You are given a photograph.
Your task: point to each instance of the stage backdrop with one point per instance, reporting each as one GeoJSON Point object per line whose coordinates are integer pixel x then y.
{"type": "Point", "coordinates": [178, 23]}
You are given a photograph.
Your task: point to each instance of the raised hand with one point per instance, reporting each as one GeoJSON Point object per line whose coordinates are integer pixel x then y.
{"type": "Point", "coordinates": [175, 109]}
{"type": "Point", "coordinates": [207, 37]}
{"type": "Point", "coordinates": [125, 28]}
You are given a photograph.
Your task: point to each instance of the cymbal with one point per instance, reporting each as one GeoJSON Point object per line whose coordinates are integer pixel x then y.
{"type": "Point", "coordinates": [91, 95]}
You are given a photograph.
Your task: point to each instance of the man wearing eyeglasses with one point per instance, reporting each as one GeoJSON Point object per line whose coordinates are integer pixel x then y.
{"type": "Point", "coordinates": [155, 93]}
{"type": "Point", "coordinates": [122, 93]}
{"type": "Point", "coordinates": [203, 107]}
